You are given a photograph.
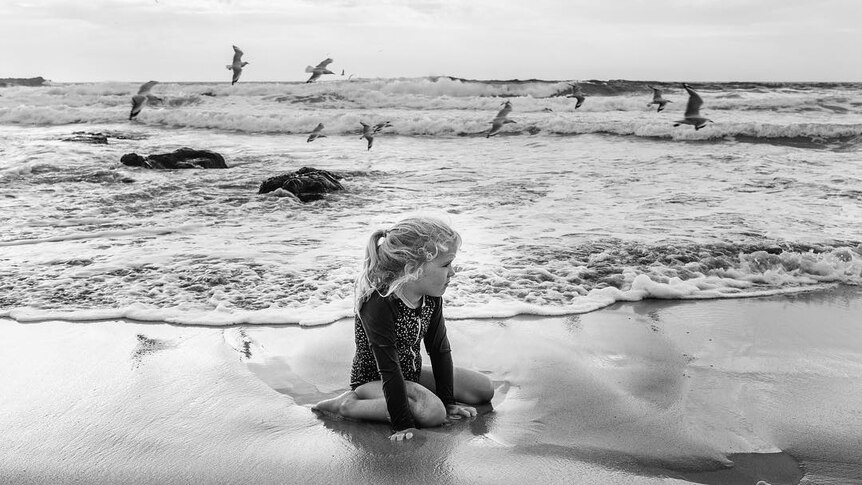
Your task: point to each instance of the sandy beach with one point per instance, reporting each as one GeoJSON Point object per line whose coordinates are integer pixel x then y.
{"type": "Point", "coordinates": [648, 242]}
{"type": "Point", "coordinates": [708, 391]}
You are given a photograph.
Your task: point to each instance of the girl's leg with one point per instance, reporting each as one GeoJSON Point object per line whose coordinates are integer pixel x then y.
{"type": "Point", "coordinates": [350, 405]}
{"type": "Point", "coordinates": [471, 387]}
{"type": "Point", "coordinates": [368, 403]}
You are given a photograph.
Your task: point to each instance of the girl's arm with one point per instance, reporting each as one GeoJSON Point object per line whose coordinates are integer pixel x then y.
{"type": "Point", "coordinates": [378, 321]}
{"type": "Point", "coordinates": [437, 345]}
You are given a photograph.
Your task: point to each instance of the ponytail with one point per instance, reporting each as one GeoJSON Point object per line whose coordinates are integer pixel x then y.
{"type": "Point", "coordinates": [365, 284]}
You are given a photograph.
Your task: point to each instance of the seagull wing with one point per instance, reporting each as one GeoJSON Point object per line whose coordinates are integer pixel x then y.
{"type": "Point", "coordinates": [694, 102]}
{"type": "Point", "coordinates": [380, 126]}
{"type": "Point", "coordinates": [314, 76]}
{"type": "Point", "coordinates": [495, 127]}
{"type": "Point", "coordinates": [138, 101]}
{"type": "Point", "coordinates": [237, 55]}
{"type": "Point", "coordinates": [145, 88]}
{"type": "Point", "coordinates": [507, 108]}
{"type": "Point", "coordinates": [324, 63]}
{"type": "Point", "coordinates": [315, 133]}
{"type": "Point", "coordinates": [236, 73]}
{"type": "Point", "coordinates": [656, 95]}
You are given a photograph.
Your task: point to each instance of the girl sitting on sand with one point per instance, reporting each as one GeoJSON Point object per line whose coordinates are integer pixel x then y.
{"type": "Point", "coordinates": [398, 305]}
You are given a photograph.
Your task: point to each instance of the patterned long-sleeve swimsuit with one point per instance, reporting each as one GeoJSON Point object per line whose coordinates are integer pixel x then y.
{"type": "Point", "coordinates": [388, 335]}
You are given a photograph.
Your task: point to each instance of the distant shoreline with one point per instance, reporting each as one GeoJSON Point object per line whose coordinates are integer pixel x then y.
{"type": "Point", "coordinates": [22, 81]}
{"type": "Point", "coordinates": [607, 84]}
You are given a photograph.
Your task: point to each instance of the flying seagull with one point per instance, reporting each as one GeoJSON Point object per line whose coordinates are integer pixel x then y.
{"type": "Point", "coordinates": [319, 70]}
{"type": "Point", "coordinates": [140, 99]}
{"type": "Point", "coordinates": [369, 131]}
{"type": "Point", "coordinates": [500, 120]}
{"type": "Point", "coordinates": [657, 99]}
{"type": "Point", "coordinates": [692, 111]}
{"type": "Point", "coordinates": [236, 65]}
{"type": "Point", "coordinates": [316, 133]}
{"type": "Point", "coordinates": [577, 94]}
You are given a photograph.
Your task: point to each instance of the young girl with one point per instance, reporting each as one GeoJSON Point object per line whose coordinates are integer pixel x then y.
{"type": "Point", "coordinates": [398, 305]}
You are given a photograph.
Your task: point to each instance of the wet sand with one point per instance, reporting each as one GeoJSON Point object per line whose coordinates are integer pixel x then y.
{"type": "Point", "coordinates": [709, 391]}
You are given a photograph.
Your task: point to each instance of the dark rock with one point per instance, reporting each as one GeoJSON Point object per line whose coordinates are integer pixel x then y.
{"type": "Point", "coordinates": [133, 160]}
{"type": "Point", "coordinates": [182, 158]}
{"type": "Point", "coordinates": [87, 137]}
{"type": "Point", "coordinates": [306, 184]}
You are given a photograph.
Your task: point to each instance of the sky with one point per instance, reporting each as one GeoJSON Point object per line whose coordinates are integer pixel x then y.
{"type": "Point", "coordinates": [656, 40]}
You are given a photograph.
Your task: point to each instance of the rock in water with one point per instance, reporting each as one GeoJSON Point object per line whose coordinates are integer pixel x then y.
{"type": "Point", "coordinates": [88, 137]}
{"type": "Point", "coordinates": [306, 184]}
{"type": "Point", "coordinates": [182, 158]}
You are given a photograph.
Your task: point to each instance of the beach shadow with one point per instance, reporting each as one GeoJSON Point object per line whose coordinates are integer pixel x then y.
{"type": "Point", "coordinates": [373, 438]}
{"type": "Point", "coordinates": [368, 453]}
{"type": "Point", "coordinates": [369, 437]}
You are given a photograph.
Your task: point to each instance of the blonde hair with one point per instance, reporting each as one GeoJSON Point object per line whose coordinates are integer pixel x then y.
{"type": "Point", "coordinates": [395, 256]}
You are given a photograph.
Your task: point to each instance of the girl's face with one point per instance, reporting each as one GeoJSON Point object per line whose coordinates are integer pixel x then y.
{"type": "Point", "coordinates": [436, 274]}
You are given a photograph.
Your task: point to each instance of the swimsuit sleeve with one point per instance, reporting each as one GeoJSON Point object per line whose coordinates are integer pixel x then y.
{"type": "Point", "coordinates": [437, 345]}
{"type": "Point", "coordinates": [378, 321]}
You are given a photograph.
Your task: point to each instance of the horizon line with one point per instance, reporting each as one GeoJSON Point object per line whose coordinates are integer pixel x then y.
{"type": "Point", "coordinates": [456, 78]}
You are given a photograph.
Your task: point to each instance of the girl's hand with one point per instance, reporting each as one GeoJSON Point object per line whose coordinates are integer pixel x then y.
{"type": "Point", "coordinates": [457, 411]}
{"type": "Point", "coordinates": [403, 435]}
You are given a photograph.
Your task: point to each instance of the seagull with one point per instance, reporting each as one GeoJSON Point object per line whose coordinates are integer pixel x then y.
{"type": "Point", "coordinates": [367, 133]}
{"type": "Point", "coordinates": [319, 70]}
{"type": "Point", "coordinates": [140, 99]}
{"type": "Point", "coordinates": [577, 94]}
{"type": "Point", "coordinates": [657, 99]}
{"type": "Point", "coordinates": [692, 111]}
{"type": "Point", "coordinates": [237, 65]}
{"type": "Point", "coordinates": [316, 133]}
{"type": "Point", "coordinates": [500, 120]}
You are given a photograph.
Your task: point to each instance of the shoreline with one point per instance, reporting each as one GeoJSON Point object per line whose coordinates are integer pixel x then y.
{"type": "Point", "coordinates": [654, 391]}
{"type": "Point", "coordinates": [601, 299]}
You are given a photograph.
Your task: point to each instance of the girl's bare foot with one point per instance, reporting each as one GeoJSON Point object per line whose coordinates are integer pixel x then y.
{"type": "Point", "coordinates": [334, 405]}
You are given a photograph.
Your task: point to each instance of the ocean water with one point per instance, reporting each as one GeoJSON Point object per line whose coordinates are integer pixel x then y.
{"type": "Point", "coordinates": [565, 212]}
